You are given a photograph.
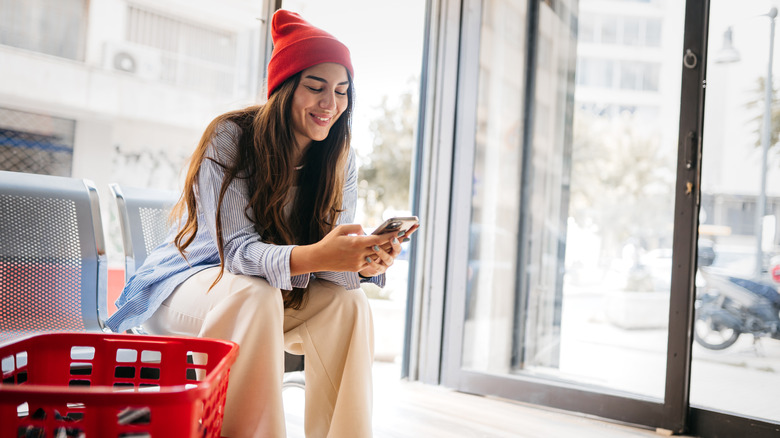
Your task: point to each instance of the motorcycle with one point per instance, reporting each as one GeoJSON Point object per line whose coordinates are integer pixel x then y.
{"type": "Point", "coordinates": [729, 306]}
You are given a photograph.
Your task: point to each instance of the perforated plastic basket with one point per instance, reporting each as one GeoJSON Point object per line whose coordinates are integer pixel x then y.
{"type": "Point", "coordinates": [97, 385]}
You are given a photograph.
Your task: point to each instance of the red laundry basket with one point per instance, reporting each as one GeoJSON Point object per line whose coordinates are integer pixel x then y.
{"type": "Point", "coordinates": [99, 385]}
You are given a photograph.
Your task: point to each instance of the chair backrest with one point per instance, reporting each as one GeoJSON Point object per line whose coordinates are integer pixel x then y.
{"type": "Point", "coordinates": [143, 219]}
{"type": "Point", "coordinates": [53, 269]}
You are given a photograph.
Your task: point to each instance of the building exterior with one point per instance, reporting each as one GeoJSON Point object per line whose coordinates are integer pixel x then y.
{"type": "Point", "coordinates": [118, 81]}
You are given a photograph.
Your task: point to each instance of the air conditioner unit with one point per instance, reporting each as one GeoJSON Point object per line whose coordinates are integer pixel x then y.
{"type": "Point", "coordinates": [142, 61]}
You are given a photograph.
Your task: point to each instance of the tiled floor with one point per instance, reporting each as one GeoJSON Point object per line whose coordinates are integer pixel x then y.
{"type": "Point", "coordinates": [411, 410]}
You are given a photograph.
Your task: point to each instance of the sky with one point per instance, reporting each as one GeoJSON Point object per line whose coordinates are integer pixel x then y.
{"type": "Point", "coordinates": [750, 31]}
{"type": "Point", "coordinates": [729, 125]}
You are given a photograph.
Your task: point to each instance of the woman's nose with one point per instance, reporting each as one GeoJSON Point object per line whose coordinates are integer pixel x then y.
{"type": "Point", "coordinates": [328, 101]}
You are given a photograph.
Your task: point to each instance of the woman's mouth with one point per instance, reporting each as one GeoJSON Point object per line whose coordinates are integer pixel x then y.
{"type": "Point", "coordinates": [322, 121]}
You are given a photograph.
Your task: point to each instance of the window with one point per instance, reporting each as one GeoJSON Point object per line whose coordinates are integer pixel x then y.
{"type": "Point", "coordinates": [639, 76]}
{"type": "Point", "coordinates": [653, 32]}
{"type": "Point", "coordinates": [190, 55]}
{"type": "Point", "coordinates": [597, 73]}
{"type": "Point", "coordinates": [36, 143]}
{"type": "Point", "coordinates": [632, 31]}
{"type": "Point", "coordinates": [609, 30]}
{"type": "Point", "coordinates": [587, 28]}
{"type": "Point", "coordinates": [53, 27]}
{"type": "Point", "coordinates": [621, 30]}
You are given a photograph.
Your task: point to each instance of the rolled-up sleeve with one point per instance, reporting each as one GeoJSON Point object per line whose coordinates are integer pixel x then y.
{"type": "Point", "coordinates": [244, 251]}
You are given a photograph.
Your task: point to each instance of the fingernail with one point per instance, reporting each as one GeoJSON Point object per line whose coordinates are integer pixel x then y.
{"type": "Point", "coordinates": [395, 240]}
{"type": "Point", "coordinates": [368, 259]}
{"type": "Point", "coordinates": [401, 234]}
{"type": "Point", "coordinates": [376, 247]}
{"type": "Point", "coordinates": [406, 239]}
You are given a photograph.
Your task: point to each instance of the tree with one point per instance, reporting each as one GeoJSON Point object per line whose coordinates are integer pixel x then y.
{"type": "Point", "coordinates": [386, 171]}
{"type": "Point", "coordinates": [621, 182]}
{"type": "Point", "coordinates": [756, 105]}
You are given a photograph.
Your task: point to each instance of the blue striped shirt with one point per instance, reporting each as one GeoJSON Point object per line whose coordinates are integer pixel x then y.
{"type": "Point", "coordinates": [245, 252]}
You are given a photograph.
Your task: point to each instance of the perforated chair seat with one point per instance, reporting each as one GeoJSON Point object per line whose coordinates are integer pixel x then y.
{"type": "Point", "coordinates": [52, 255]}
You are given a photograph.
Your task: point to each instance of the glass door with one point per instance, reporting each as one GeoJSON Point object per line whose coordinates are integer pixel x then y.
{"type": "Point", "coordinates": [737, 327]}
{"type": "Point", "coordinates": [573, 192]}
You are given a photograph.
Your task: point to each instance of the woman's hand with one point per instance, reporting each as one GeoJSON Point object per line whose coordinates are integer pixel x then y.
{"type": "Point", "coordinates": [345, 248]}
{"type": "Point", "coordinates": [384, 255]}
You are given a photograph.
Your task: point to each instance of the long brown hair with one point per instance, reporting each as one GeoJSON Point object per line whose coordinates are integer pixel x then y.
{"type": "Point", "coordinates": [265, 160]}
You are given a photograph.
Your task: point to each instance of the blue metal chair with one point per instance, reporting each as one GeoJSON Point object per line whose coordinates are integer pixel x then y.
{"type": "Point", "coordinates": [143, 220]}
{"type": "Point", "coordinates": [53, 267]}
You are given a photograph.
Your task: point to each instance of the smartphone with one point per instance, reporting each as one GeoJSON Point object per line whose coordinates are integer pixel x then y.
{"type": "Point", "coordinates": [395, 224]}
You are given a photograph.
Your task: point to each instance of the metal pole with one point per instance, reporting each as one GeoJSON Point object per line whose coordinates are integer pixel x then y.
{"type": "Point", "coordinates": [765, 140]}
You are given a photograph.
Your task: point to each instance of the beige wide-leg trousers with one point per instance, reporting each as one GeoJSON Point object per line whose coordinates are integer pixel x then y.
{"type": "Point", "coordinates": [334, 331]}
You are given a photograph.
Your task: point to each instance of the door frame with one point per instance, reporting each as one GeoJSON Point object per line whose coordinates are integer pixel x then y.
{"type": "Point", "coordinates": [671, 412]}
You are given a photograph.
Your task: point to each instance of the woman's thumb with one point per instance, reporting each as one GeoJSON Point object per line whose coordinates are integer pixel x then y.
{"type": "Point", "coordinates": [350, 229]}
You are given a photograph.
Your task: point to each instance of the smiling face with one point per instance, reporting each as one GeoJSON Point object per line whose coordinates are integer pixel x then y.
{"type": "Point", "coordinates": [319, 100]}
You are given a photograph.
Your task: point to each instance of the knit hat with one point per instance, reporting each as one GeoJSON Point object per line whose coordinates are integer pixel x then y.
{"type": "Point", "coordinates": [298, 45]}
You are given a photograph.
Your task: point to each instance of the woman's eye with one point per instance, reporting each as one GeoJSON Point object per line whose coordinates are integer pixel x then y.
{"type": "Point", "coordinates": [317, 90]}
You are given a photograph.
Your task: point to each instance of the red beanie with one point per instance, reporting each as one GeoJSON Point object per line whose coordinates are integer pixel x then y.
{"type": "Point", "coordinates": [298, 45]}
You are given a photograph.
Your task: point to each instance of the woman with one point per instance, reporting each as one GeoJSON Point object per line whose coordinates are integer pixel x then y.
{"type": "Point", "coordinates": [264, 256]}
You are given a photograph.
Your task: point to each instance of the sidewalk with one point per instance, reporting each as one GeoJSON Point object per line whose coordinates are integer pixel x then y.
{"type": "Point", "coordinates": [733, 380]}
